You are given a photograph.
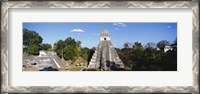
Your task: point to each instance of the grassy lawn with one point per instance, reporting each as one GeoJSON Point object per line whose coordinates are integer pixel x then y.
{"type": "Point", "coordinates": [74, 68]}
{"type": "Point", "coordinates": [31, 69]}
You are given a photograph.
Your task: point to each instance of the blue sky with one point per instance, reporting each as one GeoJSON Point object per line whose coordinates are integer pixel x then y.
{"type": "Point", "coordinates": [120, 33]}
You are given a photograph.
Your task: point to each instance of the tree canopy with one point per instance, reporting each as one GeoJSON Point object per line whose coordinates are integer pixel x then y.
{"type": "Point", "coordinates": [70, 49]}
{"type": "Point", "coordinates": [161, 45]}
{"type": "Point", "coordinates": [148, 58]}
{"type": "Point", "coordinates": [31, 41]}
{"type": "Point", "coordinates": [46, 47]}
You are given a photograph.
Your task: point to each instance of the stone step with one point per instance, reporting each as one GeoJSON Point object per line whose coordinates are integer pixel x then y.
{"type": "Point", "coordinates": [94, 56]}
{"type": "Point", "coordinates": [105, 51]}
{"type": "Point", "coordinates": [92, 63]}
{"type": "Point", "coordinates": [93, 59]}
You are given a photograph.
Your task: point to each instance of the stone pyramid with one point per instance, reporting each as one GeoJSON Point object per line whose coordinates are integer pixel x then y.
{"type": "Point", "coordinates": [105, 56]}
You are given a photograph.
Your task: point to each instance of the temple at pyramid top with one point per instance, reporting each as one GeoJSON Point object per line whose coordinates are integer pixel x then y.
{"type": "Point", "coordinates": [105, 57]}
{"type": "Point", "coordinates": [105, 35]}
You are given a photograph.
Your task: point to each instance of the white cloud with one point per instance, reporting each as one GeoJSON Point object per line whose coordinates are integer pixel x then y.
{"type": "Point", "coordinates": [77, 30]}
{"type": "Point", "coordinates": [119, 24]}
{"type": "Point", "coordinates": [168, 26]}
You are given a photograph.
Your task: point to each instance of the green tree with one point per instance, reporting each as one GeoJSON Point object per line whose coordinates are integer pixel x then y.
{"type": "Point", "coordinates": [150, 45]}
{"type": "Point", "coordinates": [138, 51]}
{"type": "Point", "coordinates": [126, 45]}
{"type": "Point", "coordinates": [69, 49]}
{"type": "Point", "coordinates": [70, 53]}
{"type": "Point", "coordinates": [138, 46]}
{"type": "Point", "coordinates": [31, 37]}
{"type": "Point", "coordinates": [31, 41]}
{"type": "Point", "coordinates": [72, 42]}
{"type": "Point", "coordinates": [139, 58]}
{"type": "Point", "coordinates": [125, 54]}
{"type": "Point", "coordinates": [161, 45]}
{"type": "Point", "coordinates": [46, 46]}
{"type": "Point", "coordinates": [84, 53]}
{"type": "Point", "coordinates": [59, 47]}
{"type": "Point", "coordinates": [33, 49]}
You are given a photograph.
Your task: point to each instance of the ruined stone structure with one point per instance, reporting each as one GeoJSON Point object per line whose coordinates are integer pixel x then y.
{"type": "Point", "coordinates": [105, 56]}
{"type": "Point", "coordinates": [44, 60]}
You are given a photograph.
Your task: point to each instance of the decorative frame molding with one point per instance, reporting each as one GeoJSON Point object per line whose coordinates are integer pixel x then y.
{"type": "Point", "coordinates": [5, 88]}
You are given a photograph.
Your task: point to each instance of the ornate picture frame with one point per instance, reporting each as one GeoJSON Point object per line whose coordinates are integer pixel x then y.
{"type": "Point", "coordinates": [6, 5]}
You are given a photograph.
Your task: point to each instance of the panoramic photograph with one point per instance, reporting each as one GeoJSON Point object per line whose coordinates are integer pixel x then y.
{"type": "Point", "coordinates": [99, 46]}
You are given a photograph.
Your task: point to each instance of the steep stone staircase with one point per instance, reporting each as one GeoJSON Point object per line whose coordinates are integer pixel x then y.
{"type": "Point", "coordinates": [105, 56]}
{"type": "Point", "coordinates": [57, 61]}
